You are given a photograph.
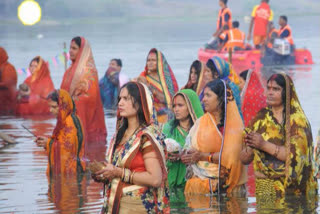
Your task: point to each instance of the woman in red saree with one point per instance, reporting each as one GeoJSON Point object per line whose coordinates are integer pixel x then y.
{"type": "Point", "coordinates": [81, 81]}
{"type": "Point", "coordinates": [161, 81]}
{"type": "Point", "coordinates": [8, 84]}
{"type": "Point", "coordinates": [253, 97]}
{"type": "Point", "coordinates": [39, 85]}
{"type": "Point", "coordinates": [135, 176]}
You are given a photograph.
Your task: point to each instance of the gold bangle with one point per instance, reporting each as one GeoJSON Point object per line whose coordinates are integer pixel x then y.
{"type": "Point", "coordinates": [276, 151]}
{"type": "Point", "coordinates": [131, 177]}
{"type": "Point", "coordinates": [126, 175]}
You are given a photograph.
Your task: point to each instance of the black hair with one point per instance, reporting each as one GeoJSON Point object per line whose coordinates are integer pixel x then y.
{"type": "Point", "coordinates": [244, 74]}
{"type": "Point", "coordinates": [285, 18]}
{"type": "Point", "coordinates": [217, 87]}
{"type": "Point", "coordinates": [197, 66]}
{"type": "Point", "coordinates": [134, 93]}
{"type": "Point", "coordinates": [36, 59]}
{"type": "Point", "coordinates": [235, 24]}
{"type": "Point", "coordinates": [281, 81]}
{"type": "Point", "coordinates": [77, 40]}
{"type": "Point", "coordinates": [118, 61]}
{"type": "Point", "coordinates": [224, 1]}
{"type": "Point", "coordinates": [54, 96]}
{"type": "Point", "coordinates": [176, 122]}
{"type": "Point", "coordinates": [212, 68]}
{"type": "Point", "coordinates": [267, 1]}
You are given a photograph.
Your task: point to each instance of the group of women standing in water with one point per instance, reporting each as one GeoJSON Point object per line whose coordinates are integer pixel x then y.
{"type": "Point", "coordinates": [172, 144]}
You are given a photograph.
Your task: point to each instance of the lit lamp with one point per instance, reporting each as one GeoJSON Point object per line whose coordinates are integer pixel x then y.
{"type": "Point", "coordinates": [29, 12]}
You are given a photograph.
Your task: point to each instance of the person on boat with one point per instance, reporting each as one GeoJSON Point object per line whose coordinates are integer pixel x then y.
{"type": "Point", "coordinates": [233, 39]}
{"type": "Point", "coordinates": [187, 109]}
{"type": "Point", "coordinates": [261, 17]}
{"type": "Point", "coordinates": [81, 81]}
{"type": "Point", "coordinates": [33, 92]}
{"type": "Point", "coordinates": [196, 80]}
{"type": "Point", "coordinates": [161, 81]}
{"type": "Point", "coordinates": [135, 174]}
{"type": "Point", "coordinates": [253, 97]}
{"type": "Point", "coordinates": [273, 33]}
{"type": "Point", "coordinates": [111, 83]}
{"type": "Point", "coordinates": [65, 148]}
{"type": "Point", "coordinates": [280, 145]}
{"type": "Point", "coordinates": [8, 84]}
{"type": "Point", "coordinates": [224, 23]}
{"type": "Point", "coordinates": [214, 144]}
{"type": "Point", "coordinates": [285, 31]}
{"type": "Point", "coordinates": [218, 68]}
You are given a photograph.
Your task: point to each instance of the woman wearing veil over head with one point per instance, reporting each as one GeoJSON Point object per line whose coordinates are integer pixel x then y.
{"type": "Point", "coordinates": [135, 174]}
{"type": "Point", "coordinates": [81, 81]}
{"type": "Point", "coordinates": [161, 81]}
{"type": "Point", "coordinates": [196, 79]}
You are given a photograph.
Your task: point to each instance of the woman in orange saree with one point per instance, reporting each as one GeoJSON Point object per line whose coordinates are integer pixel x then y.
{"type": "Point", "coordinates": [161, 81]}
{"type": "Point", "coordinates": [65, 148]}
{"type": "Point", "coordinates": [214, 144]}
{"type": "Point", "coordinates": [81, 81]}
{"type": "Point", "coordinates": [39, 87]}
{"type": "Point", "coordinates": [135, 176]}
{"type": "Point", "coordinates": [8, 84]}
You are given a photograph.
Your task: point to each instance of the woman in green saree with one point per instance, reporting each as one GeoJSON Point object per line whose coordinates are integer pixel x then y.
{"type": "Point", "coordinates": [187, 109]}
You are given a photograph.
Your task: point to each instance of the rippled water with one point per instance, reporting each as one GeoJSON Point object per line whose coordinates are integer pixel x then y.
{"type": "Point", "coordinates": [24, 186]}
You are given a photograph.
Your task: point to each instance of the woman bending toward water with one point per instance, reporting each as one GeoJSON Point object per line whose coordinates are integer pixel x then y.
{"type": "Point", "coordinates": [135, 175]}
{"type": "Point", "coordinates": [35, 89]}
{"type": "Point", "coordinates": [81, 81]}
{"type": "Point", "coordinates": [279, 142]}
{"type": "Point", "coordinates": [187, 109]}
{"type": "Point", "coordinates": [218, 133]}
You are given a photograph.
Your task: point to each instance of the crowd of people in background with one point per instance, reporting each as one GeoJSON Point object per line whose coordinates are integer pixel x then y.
{"type": "Point", "coordinates": [171, 143]}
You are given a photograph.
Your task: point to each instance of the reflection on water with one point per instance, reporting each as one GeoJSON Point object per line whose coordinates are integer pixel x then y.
{"type": "Point", "coordinates": [24, 186]}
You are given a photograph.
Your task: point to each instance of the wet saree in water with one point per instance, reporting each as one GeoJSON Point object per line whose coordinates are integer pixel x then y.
{"type": "Point", "coordinates": [167, 85]}
{"type": "Point", "coordinates": [65, 149]}
{"type": "Point", "coordinates": [295, 176]}
{"type": "Point", "coordinates": [253, 97]}
{"type": "Point", "coordinates": [201, 82]}
{"type": "Point", "coordinates": [121, 197]}
{"type": "Point", "coordinates": [205, 136]}
{"type": "Point", "coordinates": [40, 85]}
{"type": "Point", "coordinates": [177, 170]}
{"type": "Point", "coordinates": [81, 81]}
{"type": "Point", "coordinates": [8, 84]}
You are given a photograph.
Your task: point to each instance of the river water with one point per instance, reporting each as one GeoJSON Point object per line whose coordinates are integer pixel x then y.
{"type": "Point", "coordinates": [24, 186]}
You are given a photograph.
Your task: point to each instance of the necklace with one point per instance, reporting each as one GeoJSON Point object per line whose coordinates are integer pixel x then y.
{"type": "Point", "coordinates": [185, 128]}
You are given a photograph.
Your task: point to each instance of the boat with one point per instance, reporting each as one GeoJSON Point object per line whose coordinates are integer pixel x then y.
{"type": "Point", "coordinates": [251, 59]}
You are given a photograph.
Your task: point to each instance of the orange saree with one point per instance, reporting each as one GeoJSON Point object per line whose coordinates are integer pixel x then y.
{"type": "Point", "coordinates": [205, 136]}
{"type": "Point", "coordinates": [65, 148]}
{"type": "Point", "coordinates": [81, 81]}
{"type": "Point", "coordinates": [40, 85]}
{"type": "Point", "coordinates": [8, 84]}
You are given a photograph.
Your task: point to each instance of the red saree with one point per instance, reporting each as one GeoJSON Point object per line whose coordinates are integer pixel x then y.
{"type": "Point", "coordinates": [8, 84]}
{"type": "Point", "coordinates": [253, 98]}
{"type": "Point", "coordinates": [81, 81]}
{"type": "Point", "coordinates": [41, 85]}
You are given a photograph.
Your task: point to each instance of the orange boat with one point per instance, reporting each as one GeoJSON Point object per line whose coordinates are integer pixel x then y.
{"type": "Point", "coordinates": [242, 60]}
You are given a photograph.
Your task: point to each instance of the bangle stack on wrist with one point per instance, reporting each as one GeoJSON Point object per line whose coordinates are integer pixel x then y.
{"type": "Point", "coordinates": [127, 176]}
{"type": "Point", "coordinates": [210, 158]}
{"type": "Point", "coordinates": [276, 151]}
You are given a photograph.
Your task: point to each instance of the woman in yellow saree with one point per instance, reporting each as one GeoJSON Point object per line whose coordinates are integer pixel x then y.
{"type": "Point", "coordinates": [161, 81]}
{"type": "Point", "coordinates": [279, 142]}
{"type": "Point", "coordinates": [214, 144]}
{"type": "Point", "coordinates": [135, 174]}
{"type": "Point", "coordinates": [196, 79]}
